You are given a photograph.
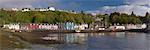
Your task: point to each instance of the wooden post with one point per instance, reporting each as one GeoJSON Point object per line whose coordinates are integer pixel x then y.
{"type": "Point", "coordinates": [148, 27]}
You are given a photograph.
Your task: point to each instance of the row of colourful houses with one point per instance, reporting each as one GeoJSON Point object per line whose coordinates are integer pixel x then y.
{"type": "Point", "coordinates": [32, 26]}
{"type": "Point", "coordinates": [39, 26]}
{"type": "Point", "coordinates": [129, 26]}
{"type": "Point", "coordinates": [69, 26]}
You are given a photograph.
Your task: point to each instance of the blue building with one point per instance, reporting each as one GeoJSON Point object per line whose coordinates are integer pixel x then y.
{"type": "Point", "coordinates": [69, 26]}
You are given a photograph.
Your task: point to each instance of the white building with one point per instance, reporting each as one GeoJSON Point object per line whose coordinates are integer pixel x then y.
{"type": "Point", "coordinates": [81, 27]}
{"type": "Point", "coordinates": [45, 9]}
{"type": "Point", "coordinates": [12, 26]}
{"type": "Point", "coordinates": [117, 27]}
{"type": "Point", "coordinates": [41, 9]}
{"type": "Point", "coordinates": [51, 8]}
{"type": "Point", "coordinates": [25, 9]}
{"type": "Point", "coordinates": [101, 28]}
{"type": "Point", "coordinates": [137, 26]}
{"type": "Point", "coordinates": [15, 9]}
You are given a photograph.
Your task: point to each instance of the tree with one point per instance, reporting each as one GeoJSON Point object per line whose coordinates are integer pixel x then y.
{"type": "Point", "coordinates": [132, 14]}
{"type": "Point", "coordinates": [61, 17]}
{"type": "Point", "coordinates": [147, 18]}
{"type": "Point", "coordinates": [82, 12]}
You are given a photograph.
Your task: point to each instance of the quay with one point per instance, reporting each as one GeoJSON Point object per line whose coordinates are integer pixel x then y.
{"type": "Point", "coordinates": [73, 31]}
{"type": "Point", "coordinates": [70, 27]}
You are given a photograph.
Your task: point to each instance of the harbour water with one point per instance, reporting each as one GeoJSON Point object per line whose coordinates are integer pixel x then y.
{"type": "Point", "coordinates": [96, 41]}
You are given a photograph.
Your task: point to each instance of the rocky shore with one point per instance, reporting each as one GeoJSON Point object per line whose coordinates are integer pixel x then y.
{"type": "Point", "coordinates": [9, 41]}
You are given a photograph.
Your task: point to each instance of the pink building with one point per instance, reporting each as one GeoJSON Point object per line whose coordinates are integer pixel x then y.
{"type": "Point", "coordinates": [48, 26]}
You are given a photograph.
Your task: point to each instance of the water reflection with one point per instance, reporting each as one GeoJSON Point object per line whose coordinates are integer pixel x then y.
{"type": "Point", "coordinates": [83, 37]}
{"type": "Point", "coordinates": [98, 41]}
{"type": "Point", "coordinates": [77, 38]}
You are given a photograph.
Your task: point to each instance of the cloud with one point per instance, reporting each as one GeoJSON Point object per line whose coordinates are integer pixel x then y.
{"type": "Point", "coordinates": [138, 2]}
{"type": "Point", "coordinates": [15, 3]}
{"type": "Point", "coordinates": [24, 3]}
{"type": "Point", "coordinates": [139, 7]}
{"type": "Point", "coordinates": [139, 10]}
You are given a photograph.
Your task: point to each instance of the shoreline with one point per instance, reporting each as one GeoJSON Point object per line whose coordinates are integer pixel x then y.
{"type": "Point", "coordinates": [74, 31]}
{"type": "Point", "coordinates": [86, 31]}
{"type": "Point", "coordinates": [10, 41]}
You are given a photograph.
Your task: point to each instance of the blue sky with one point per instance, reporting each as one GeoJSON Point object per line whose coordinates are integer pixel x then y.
{"type": "Point", "coordinates": [140, 7]}
{"type": "Point", "coordinates": [88, 4]}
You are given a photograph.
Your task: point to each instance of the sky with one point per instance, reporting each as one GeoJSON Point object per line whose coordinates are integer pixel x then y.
{"type": "Point", "coordinates": [139, 7]}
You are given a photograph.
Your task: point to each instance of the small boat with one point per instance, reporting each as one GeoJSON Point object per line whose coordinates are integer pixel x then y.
{"type": "Point", "coordinates": [77, 30]}
{"type": "Point", "coordinates": [49, 38]}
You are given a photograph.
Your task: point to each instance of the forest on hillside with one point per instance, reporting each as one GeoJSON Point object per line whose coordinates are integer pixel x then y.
{"type": "Point", "coordinates": [43, 17]}
{"type": "Point", "coordinates": [61, 17]}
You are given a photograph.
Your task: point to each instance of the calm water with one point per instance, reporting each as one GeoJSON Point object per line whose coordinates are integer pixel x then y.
{"type": "Point", "coordinates": [98, 41]}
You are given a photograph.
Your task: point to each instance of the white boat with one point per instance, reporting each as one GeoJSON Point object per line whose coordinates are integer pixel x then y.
{"type": "Point", "coordinates": [49, 38]}
{"type": "Point", "coordinates": [77, 30]}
